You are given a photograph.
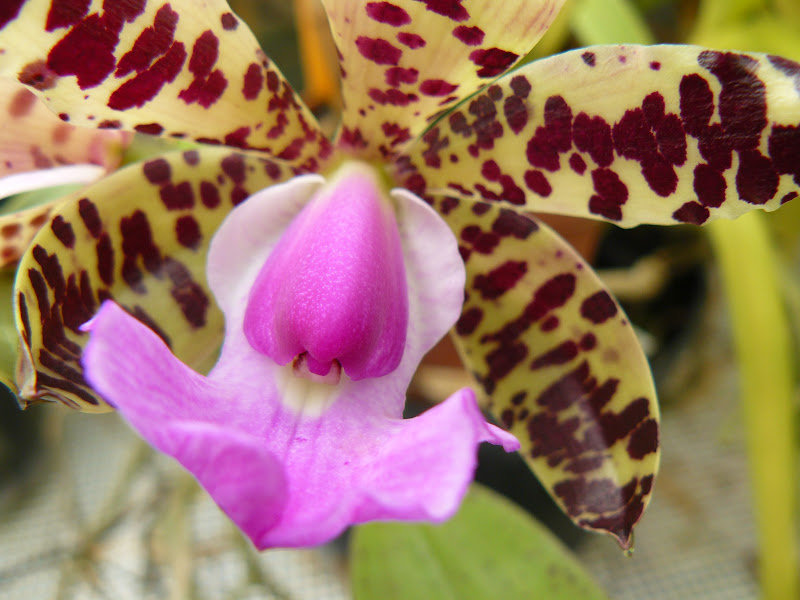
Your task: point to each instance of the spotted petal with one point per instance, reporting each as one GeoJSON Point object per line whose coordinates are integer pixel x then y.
{"type": "Point", "coordinates": [630, 134]}
{"type": "Point", "coordinates": [561, 364]}
{"type": "Point", "coordinates": [35, 149]}
{"type": "Point", "coordinates": [406, 60]}
{"type": "Point", "coordinates": [157, 67]}
{"type": "Point", "coordinates": [139, 236]}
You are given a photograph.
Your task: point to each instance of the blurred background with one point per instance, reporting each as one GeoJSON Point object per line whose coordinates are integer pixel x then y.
{"type": "Point", "coordinates": [88, 511]}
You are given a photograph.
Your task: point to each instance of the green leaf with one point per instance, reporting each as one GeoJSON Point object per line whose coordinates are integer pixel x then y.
{"type": "Point", "coordinates": [490, 549]}
{"type": "Point", "coordinates": [609, 22]}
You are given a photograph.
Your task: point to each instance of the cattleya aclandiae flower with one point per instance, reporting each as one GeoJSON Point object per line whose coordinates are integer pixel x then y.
{"type": "Point", "coordinates": [628, 134]}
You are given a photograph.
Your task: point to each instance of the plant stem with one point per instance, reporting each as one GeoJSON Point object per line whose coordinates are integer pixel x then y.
{"type": "Point", "coordinates": [761, 329]}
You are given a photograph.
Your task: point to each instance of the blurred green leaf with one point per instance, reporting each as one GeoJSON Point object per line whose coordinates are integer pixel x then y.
{"type": "Point", "coordinates": [764, 350]}
{"type": "Point", "coordinates": [26, 200]}
{"type": "Point", "coordinates": [715, 13]}
{"type": "Point", "coordinates": [9, 344]}
{"type": "Point", "coordinates": [763, 33]}
{"type": "Point", "coordinates": [490, 549]}
{"type": "Point", "coordinates": [609, 22]}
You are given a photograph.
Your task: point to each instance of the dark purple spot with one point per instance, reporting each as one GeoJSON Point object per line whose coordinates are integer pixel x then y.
{"type": "Point", "coordinates": [63, 13]}
{"type": "Point", "coordinates": [209, 195]}
{"type": "Point", "coordinates": [187, 231]}
{"type": "Point", "coordinates": [177, 197]}
{"type": "Point", "coordinates": [378, 50]}
{"type": "Point", "coordinates": [561, 354]}
{"type": "Point", "coordinates": [516, 113]}
{"type": "Point", "coordinates": [397, 75]}
{"type": "Point", "coordinates": [253, 81]}
{"type": "Point", "coordinates": [709, 185]}
{"type": "Point", "coordinates": [589, 58]}
{"type": "Point", "coordinates": [609, 186]}
{"type": "Point", "coordinates": [634, 139]}
{"type": "Point", "coordinates": [644, 440]}
{"type": "Point", "coordinates": [9, 10]}
{"type": "Point", "coordinates": [537, 183]}
{"type": "Point", "coordinates": [501, 279]}
{"type": "Point", "coordinates": [511, 223]}
{"type": "Point", "coordinates": [493, 61]}
{"type": "Point", "coordinates": [191, 157]}
{"type": "Point", "coordinates": [784, 150]}
{"type": "Point", "coordinates": [691, 212]}
{"type": "Point", "coordinates": [697, 104]}
{"type": "Point", "coordinates": [756, 180]}
{"type": "Point", "coordinates": [552, 294]}
{"type": "Point", "coordinates": [469, 321]}
{"type": "Point", "coordinates": [481, 208]}
{"type": "Point", "coordinates": [742, 101]}
{"type": "Point", "coordinates": [471, 36]}
{"type": "Point", "coordinates": [151, 44]}
{"type": "Point", "coordinates": [105, 259]}
{"type": "Point", "coordinates": [149, 128]}
{"type": "Point", "coordinates": [550, 323]}
{"type": "Point", "coordinates": [238, 195]}
{"type": "Point", "coordinates": [451, 9]}
{"type": "Point", "coordinates": [229, 21]}
{"type": "Point", "coordinates": [436, 87]}
{"type": "Point", "coordinates": [577, 163]}
{"type": "Point", "coordinates": [598, 307]}
{"type": "Point", "coordinates": [207, 85]}
{"type": "Point", "coordinates": [87, 51]}
{"type": "Point", "coordinates": [593, 136]}
{"type": "Point", "coordinates": [63, 231]}
{"type": "Point", "coordinates": [90, 216]}
{"type": "Point", "coordinates": [233, 166]}
{"type": "Point", "coordinates": [238, 138]}
{"type": "Point", "coordinates": [588, 342]}
{"type": "Point", "coordinates": [412, 40]}
{"type": "Point", "coordinates": [520, 86]}
{"type": "Point", "coordinates": [191, 298]}
{"type": "Point", "coordinates": [157, 171]}
{"type": "Point", "coordinates": [147, 84]}
{"type": "Point", "coordinates": [385, 12]}
{"type": "Point", "coordinates": [555, 137]}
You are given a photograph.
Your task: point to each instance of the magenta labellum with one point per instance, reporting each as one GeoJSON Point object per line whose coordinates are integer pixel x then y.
{"type": "Point", "coordinates": [334, 288]}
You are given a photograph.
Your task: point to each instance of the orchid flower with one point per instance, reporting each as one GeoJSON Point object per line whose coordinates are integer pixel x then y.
{"type": "Point", "coordinates": [432, 111]}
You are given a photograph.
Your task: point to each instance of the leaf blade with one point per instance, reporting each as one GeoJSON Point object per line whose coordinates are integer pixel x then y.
{"type": "Point", "coordinates": [489, 547]}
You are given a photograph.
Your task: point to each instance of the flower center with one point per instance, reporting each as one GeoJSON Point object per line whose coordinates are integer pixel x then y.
{"type": "Point", "coordinates": [332, 295]}
{"type": "Point", "coordinates": [307, 367]}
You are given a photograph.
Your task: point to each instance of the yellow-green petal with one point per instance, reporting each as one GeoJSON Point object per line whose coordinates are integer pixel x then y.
{"type": "Point", "coordinates": [139, 236]}
{"type": "Point", "coordinates": [560, 363]}
{"type": "Point", "coordinates": [171, 68]}
{"type": "Point", "coordinates": [407, 60]}
{"type": "Point", "coordinates": [629, 134]}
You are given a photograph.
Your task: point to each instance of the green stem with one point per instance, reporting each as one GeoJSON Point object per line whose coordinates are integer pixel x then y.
{"type": "Point", "coordinates": [761, 334]}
